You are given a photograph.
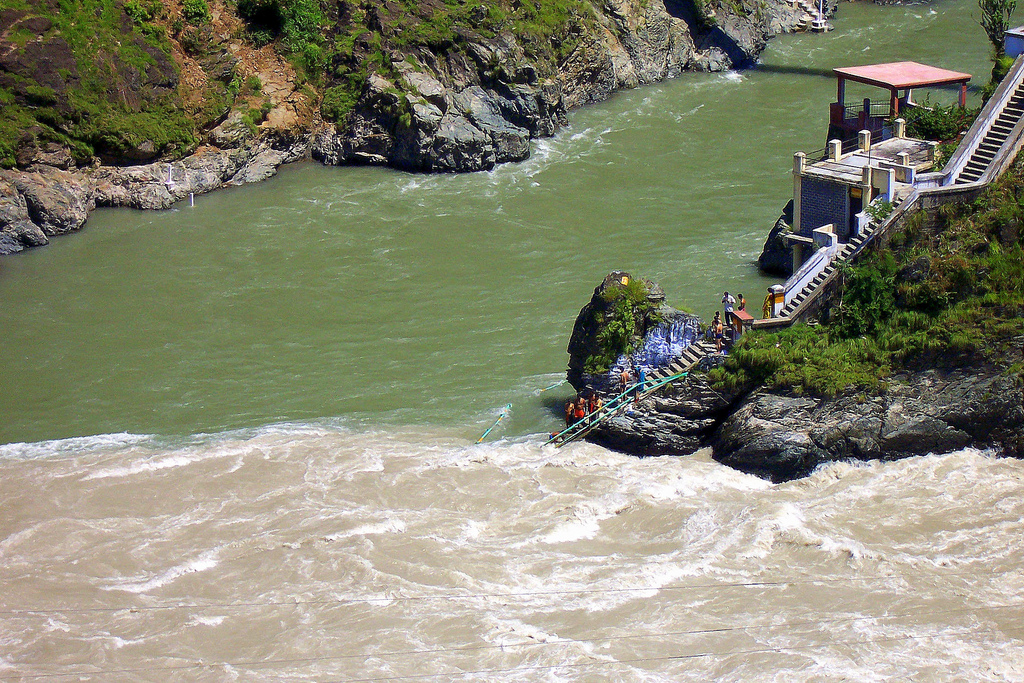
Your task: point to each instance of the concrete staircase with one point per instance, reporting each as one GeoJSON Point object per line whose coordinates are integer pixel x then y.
{"type": "Point", "coordinates": [810, 11]}
{"type": "Point", "coordinates": [848, 250]}
{"type": "Point", "coordinates": [690, 356]}
{"type": "Point", "coordinates": [998, 131]}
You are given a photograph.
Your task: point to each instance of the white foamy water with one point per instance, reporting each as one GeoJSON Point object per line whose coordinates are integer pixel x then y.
{"type": "Point", "coordinates": [316, 552]}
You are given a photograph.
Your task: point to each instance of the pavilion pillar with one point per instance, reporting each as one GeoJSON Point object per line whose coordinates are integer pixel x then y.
{"type": "Point", "coordinates": [841, 91]}
{"type": "Point", "coordinates": [894, 102]}
{"type": "Point", "coordinates": [963, 94]}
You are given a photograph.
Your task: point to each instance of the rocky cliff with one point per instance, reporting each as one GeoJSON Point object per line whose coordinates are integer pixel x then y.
{"type": "Point", "coordinates": [99, 97]}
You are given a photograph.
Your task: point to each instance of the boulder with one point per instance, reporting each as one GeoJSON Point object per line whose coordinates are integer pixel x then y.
{"type": "Point", "coordinates": [231, 132]}
{"type": "Point", "coordinates": [677, 421]}
{"type": "Point", "coordinates": [57, 201]}
{"type": "Point", "coordinates": [17, 231]}
{"type": "Point", "coordinates": [776, 256]}
{"type": "Point", "coordinates": [458, 145]}
{"type": "Point", "coordinates": [509, 141]}
{"type": "Point", "coordinates": [780, 437]}
{"type": "Point", "coordinates": [662, 334]}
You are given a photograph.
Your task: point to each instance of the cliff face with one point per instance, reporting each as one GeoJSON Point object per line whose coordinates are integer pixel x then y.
{"type": "Point", "coordinates": [468, 109]}
{"type": "Point", "coordinates": [98, 97]}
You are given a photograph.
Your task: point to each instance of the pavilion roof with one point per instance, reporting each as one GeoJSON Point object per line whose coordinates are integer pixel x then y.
{"type": "Point", "coordinates": [899, 75]}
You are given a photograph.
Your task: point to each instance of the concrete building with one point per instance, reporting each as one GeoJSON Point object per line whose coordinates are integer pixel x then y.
{"type": "Point", "coordinates": [834, 191]}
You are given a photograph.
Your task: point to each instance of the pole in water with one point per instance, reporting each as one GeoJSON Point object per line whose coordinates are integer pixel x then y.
{"type": "Point", "coordinates": [191, 198]}
{"type": "Point", "coordinates": [504, 412]}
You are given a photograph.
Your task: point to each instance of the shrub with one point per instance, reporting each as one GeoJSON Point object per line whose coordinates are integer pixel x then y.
{"type": "Point", "coordinates": [869, 296]}
{"type": "Point", "coordinates": [942, 124]}
{"type": "Point", "coordinates": [339, 101]}
{"type": "Point", "coordinates": [195, 11]}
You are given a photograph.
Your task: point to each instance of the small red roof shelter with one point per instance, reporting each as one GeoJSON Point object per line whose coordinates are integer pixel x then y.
{"type": "Point", "coordinates": [896, 76]}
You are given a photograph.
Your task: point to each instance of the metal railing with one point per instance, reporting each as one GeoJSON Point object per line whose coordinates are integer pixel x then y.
{"type": "Point", "coordinates": [852, 112]}
{"type": "Point", "coordinates": [821, 154]}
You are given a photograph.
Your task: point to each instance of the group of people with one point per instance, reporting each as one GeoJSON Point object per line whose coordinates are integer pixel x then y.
{"type": "Point", "coordinates": [587, 402]}
{"type": "Point", "coordinates": [730, 305]}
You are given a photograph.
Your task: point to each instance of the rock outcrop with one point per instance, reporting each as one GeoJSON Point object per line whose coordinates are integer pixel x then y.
{"type": "Point", "coordinates": [647, 333]}
{"type": "Point", "coordinates": [776, 256]}
{"type": "Point", "coordinates": [780, 436]}
{"type": "Point", "coordinates": [46, 201]}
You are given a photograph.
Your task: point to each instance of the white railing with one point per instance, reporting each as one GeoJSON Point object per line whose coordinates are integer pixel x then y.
{"type": "Point", "coordinates": [813, 266]}
{"type": "Point", "coordinates": [984, 122]}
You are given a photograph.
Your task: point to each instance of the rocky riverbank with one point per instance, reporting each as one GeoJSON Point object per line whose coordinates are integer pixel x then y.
{"type": "Point", "coordinates": [45, 201]}
{"type": "Point", "coordinates": [782, 435]}
{"type": "Point", "coordinates": [465, 103]}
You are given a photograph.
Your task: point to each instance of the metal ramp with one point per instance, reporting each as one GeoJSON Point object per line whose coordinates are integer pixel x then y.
{"type": "Point", "coordinates": [676, 370]}
{"type": "Point", "coordinates": [615, 406]}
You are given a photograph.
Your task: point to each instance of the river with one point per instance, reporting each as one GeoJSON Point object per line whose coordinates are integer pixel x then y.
{"type": "Point", "coordinates": [239, 437]}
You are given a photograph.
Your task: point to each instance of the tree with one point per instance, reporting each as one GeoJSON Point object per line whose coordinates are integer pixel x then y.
{"type": "Point", "coordinates": [995, 19]}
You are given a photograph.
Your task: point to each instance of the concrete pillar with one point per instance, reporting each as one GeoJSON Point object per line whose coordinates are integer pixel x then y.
{"type": "Point", "coordinates": [799, 165]}
{"type": "Point", "coordinates": [864, 140]}
{"type": "Point", "coordinates": [900, 129]}
{"type": "Point", "coordinates": [903, 158]}
{"type": "Point", "coordinates": [835, 150]}
{"type": "Point", "coordinates": [778, 301]}
{"type": "Point", "coordinates": [798, 256]}
{"type": "Point", "coordinates": [933, 151]}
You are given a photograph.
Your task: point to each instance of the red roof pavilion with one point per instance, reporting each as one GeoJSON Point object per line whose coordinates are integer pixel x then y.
{"type": "Point", "coordinates": [896, 76]}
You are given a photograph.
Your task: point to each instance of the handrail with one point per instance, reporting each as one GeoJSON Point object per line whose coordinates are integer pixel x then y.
{"type": "Point", "coordinates": [609, 409]}
{"type": "Point", "coordinates": [994, 105]}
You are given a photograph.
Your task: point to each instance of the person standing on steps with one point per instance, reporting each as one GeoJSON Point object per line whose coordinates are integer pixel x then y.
{"type": "Point", "coordinates": [718, 332]}
{"type": "Point", "coordinates": [729, 302]}
{"type": "Point", "coordinates": [742, 305]}
{"type": "Point", "coordinates": [623, 379]}
{"type": "Point", "coordinates": [581, 408]}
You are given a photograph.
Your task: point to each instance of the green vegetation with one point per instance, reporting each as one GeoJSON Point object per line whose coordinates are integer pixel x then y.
{"type": "Point", "coordinates": [995, 19]}
{"type": "Point", "coordinates": [195, 11]}
{"type": "Point", "coordinates": [111, 45]}
{"type": "Point", "coordinates": [627, 316]}
{"type": "Point", "coordinates": [938, 297]}
{"type": "Point", "coordinates": [942, 124]}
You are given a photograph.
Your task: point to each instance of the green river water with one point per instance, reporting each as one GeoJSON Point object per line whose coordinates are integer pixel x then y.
{"type": "Point", "coordinates": [383, 298]}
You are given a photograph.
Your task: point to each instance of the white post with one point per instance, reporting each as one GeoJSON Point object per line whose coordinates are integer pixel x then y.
{"type": "Point", "coordinates": [835, 150]}
{"type": "Point", "coordinates": [191, 199]}
{"type": "Point", "coordinates": [864, 140]}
